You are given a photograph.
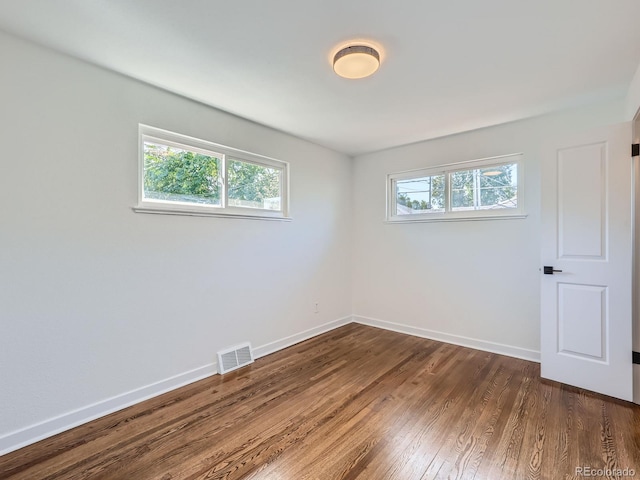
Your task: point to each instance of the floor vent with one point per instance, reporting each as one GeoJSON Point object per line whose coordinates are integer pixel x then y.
{"type": "Point", "coordinates": [234, 357]}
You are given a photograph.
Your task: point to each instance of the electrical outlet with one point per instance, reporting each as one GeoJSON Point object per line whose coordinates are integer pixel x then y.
{"type": "Point", "coordinates": [316, 307]}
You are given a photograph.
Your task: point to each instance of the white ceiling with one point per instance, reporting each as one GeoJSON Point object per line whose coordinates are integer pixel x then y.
{"type": "Point", "coordinates": [447, 65]}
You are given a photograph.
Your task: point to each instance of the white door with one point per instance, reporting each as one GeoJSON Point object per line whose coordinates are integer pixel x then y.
{"type": "Point", "coordinates": [587, 236]}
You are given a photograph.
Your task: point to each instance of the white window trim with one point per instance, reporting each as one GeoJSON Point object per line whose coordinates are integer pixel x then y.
{"type": "Point", "coordinates": [147, 205]}
{"type": "Point", "coordinates": [448, 215]}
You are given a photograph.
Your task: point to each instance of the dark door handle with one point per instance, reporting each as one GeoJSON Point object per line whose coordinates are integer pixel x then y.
{"type": "Point", "coordinates": [550, 270]}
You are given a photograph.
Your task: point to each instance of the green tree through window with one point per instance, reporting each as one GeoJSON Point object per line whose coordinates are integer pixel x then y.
{"type": "Point", "coordinates": [180, 175]}
{"type": "Point", "coordinates": [253, 185]}
{"type": "Point", "coordinates": [183, 175]}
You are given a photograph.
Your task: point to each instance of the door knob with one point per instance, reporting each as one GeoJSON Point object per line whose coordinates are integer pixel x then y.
{"type": "Point", "coordinates": [550, 270]}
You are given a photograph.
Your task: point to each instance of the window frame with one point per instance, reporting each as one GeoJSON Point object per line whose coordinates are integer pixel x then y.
{"type": "Point", "coordinates": [224, 153]}
{"type": "Point", "coordinates": [447, 170]}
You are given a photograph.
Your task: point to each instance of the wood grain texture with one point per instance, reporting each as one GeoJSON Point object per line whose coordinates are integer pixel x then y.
{"type": "Point", "coordinates": [355, 403]}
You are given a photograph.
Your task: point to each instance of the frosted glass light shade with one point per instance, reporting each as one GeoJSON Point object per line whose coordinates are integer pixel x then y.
{"type": "Point", "coordinates": [356, 61]}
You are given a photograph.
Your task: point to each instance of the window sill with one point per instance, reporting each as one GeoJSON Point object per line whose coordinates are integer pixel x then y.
{"type": "Point", "coordinates": [196, 212]}
{"type": "Point", "coordinates": [447, 218]}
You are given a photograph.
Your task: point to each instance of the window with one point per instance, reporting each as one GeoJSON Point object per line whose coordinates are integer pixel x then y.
{"type": "Point", "coordinates": [487, 188]}
{"type": "Point", "coordinates": [420, 195]}
{"type": "Point", "coordinates": [184, 175]}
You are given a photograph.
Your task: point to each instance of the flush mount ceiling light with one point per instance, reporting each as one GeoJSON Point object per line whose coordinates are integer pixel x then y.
{"type": "Point", "coordinates": [492, 173]}
{"type": "Point", "coordinates": [356, 61]}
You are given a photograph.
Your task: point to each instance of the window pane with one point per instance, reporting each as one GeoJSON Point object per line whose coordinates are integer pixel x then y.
{"type": "Point", "coordinates": [462, 191]}
{"type": "Point", "coordinates": [254, 186]}
{"type": "Point", "coordinates": [485, 188]}
{"type": "Point", "coordinates": [499, 186]}
{"type": "Point", "coordinates": [177, 175]}
{"type": "Point", "coordinates": [420, 195]}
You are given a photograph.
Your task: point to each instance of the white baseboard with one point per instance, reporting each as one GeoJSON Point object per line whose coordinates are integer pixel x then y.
{"type": "Point", "coordinates": [517, 352]}
{"type": "Point", "coordinates": [39, 431]}
{"type": "Point", "coordinates": [34, 433]}
{"type": "Point", "coordinates": [299, 337]}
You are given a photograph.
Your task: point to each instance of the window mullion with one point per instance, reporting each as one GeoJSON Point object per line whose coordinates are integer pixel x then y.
{"type": "Point", "coordinates": [393, 198]}
{"type": "Point", "coordinates": [224, 198]}
{"type": "Point", "coordinates": [447, 192]}
{"type": "Point", "coordinates": [476, 189]}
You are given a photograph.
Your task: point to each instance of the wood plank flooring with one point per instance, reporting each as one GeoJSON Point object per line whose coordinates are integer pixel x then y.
{"type": "Point", "coordinates": [355, 403]}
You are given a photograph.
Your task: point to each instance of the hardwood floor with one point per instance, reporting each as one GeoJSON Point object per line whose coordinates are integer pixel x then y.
{"type": "Point", "coordinates": [355, 403]}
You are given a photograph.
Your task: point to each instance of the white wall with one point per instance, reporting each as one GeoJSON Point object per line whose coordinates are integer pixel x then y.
{"type": "Point", "coordinates": [98, 302]}
{"type": "Point", "coordinates": [476, 282]}
{"type": "Point", "coordinates": [632, 101]}
{"type": "Point", "coordinates": [100, 306]}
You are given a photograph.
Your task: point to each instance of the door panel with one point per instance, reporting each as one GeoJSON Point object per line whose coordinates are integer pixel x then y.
{"type": "Point", "coordinates": [582, 201]}
{"type": "Point", "coordinates": [587, 238]}
{"type": "Point", "coordinates": [582, 321]}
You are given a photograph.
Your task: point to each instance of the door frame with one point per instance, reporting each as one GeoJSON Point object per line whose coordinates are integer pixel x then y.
{"type": "Point", "coordinates": [635, 309]}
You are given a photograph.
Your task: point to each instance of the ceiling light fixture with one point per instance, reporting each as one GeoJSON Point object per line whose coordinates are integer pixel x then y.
{"type": "Point", "coordinates": [492, 173]}
{"type": "Point", "coordinates": [356, 61]}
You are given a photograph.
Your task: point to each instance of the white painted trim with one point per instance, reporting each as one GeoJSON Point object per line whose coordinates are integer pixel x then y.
{"type": "Point", "coordinates": [34, 433]}
{"type": "Point", "coordinates": [444, 218]}
{"type": "Point", "coordinates": [300, 337]}
{"type": "Point", "coordinates": [39, 431]}
{"type": "Point", "coordinates": [484, 345]}
{"type": "Point", "coordinates": [163, 209]}
{"type": "Point", "coordinates": [636, 384]}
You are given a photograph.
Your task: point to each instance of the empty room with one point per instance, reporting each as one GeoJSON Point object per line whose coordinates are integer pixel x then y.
{"type": "Point", "coordinates": [319, 240]}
